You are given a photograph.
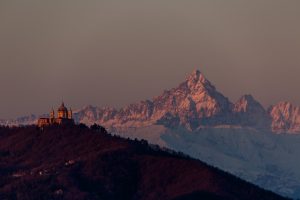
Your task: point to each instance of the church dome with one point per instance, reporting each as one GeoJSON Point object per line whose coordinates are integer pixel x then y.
{"type": "Point", "coordinates": [62, 108]}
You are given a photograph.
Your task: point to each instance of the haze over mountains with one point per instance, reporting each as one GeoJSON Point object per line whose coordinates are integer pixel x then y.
{"type": "Point", "coordinates": [194, 104]}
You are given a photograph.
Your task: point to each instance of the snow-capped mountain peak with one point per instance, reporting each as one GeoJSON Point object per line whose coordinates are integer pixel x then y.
{"type": "Point", "coordinates": [196, 80]}
{"type": "Point", "coordinates": [249, 112]}
{"type": "Point", "coordinates": [285, 117]}
{"type": "Point", "coordinates": [193, 103]}
{"type": "Point", "coordinates": [247, 103]}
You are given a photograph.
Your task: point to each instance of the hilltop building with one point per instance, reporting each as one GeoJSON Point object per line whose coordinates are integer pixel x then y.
{"type": "Point", "coordinates": [64, 117]}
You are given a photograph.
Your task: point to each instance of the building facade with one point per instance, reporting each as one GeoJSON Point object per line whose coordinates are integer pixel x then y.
{"type": "Point", "coordinates": [64, 117]}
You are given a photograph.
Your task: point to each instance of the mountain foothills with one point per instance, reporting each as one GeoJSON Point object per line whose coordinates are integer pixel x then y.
{"type": "Point", "coordinates": [194, 104]}
{"type": "Point", "coordinates": [81, 163]}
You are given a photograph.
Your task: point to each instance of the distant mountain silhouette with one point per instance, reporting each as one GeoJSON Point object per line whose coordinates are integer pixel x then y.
{"type": "Point", "coordinates": [81, 163]}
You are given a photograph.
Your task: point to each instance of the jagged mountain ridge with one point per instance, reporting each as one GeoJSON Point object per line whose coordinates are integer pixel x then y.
{"type": "Point", "coordinates": [249, 112]}
{"type": "Point", "coordinates": [193, 104]}
{"type": "Point", "coordinates": [196, 103]}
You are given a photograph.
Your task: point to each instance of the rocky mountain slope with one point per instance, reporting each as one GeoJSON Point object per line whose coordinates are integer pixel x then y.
{"type": "Point", "coordinates": [285, 118]}
{"type": "Point", "coordinates": [193, 103]}
{"type": "Point", "coordinates": [250, 113]}
{"type": "Point", "coordinates": [80, 163]}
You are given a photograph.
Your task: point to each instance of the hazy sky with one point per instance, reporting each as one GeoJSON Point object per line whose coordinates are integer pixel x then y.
{"type": "Point", "coordinates": [115, 52]}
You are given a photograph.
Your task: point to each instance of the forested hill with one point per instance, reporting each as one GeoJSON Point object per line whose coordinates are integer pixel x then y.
{"type": "Point", "coordinates": [83, 163]}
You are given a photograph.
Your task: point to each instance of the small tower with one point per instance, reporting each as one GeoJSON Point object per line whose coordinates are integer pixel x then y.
{"type": "Point", "coordinates": [52, 116]}
{"type": "Point", "coordinates": [70, 114]}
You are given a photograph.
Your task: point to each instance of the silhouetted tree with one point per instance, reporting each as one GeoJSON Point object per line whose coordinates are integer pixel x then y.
{"type": "Point", "coordinates": [83, 126]}
{"type": "Point", "coordinates": [98, 128]}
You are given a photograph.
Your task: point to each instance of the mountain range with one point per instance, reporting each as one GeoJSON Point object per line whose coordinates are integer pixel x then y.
{"type": "Point", "coordinates": [197, 103]}
{"type": "Point", "coordinates": [194, 104]}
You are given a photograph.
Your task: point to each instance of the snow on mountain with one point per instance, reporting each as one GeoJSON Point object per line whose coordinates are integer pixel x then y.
{"type": "Point", "coordinates": [285, 118]}
{"type": "Point", "coordinates": [20, 121]}
{"type": "Point", "coordinates": [249, 112]}
{"type": "Point", "coordinates": [193, 103]}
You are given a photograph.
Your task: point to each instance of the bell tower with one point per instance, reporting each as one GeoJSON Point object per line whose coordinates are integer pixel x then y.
{"type": "Point", "coordinates": [52, 116]}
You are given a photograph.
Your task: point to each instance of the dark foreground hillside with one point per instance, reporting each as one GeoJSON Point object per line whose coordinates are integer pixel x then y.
{"type": "Point", "coordinates": [80, 163]}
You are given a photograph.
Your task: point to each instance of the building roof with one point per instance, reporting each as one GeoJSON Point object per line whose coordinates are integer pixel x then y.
{"type": "Point", "coordinates": [63, 108]}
